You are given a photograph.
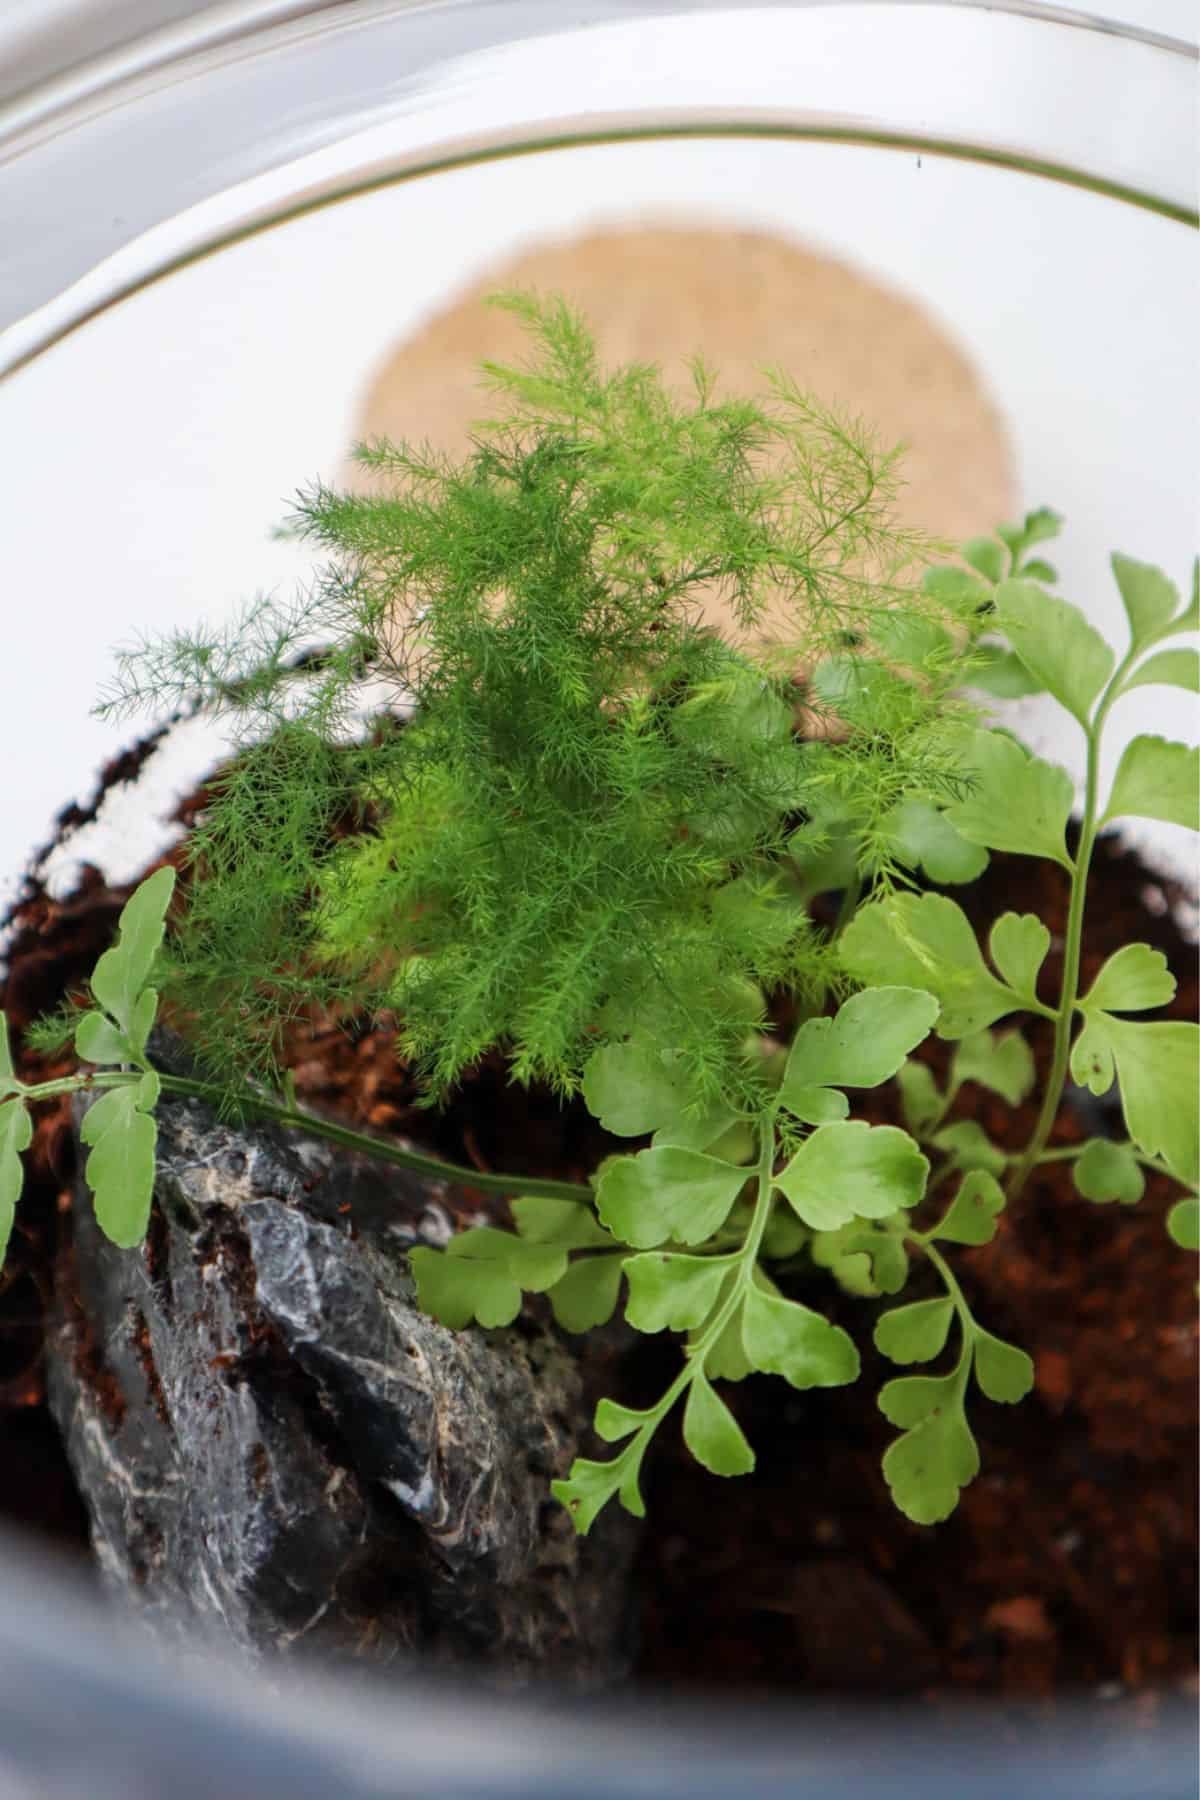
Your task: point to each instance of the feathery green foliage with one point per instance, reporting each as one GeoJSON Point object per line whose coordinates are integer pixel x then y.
{"type": "Point", "coordinates": [585, 827]}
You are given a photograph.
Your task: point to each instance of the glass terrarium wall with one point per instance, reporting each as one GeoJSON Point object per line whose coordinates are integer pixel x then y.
{"type": "Point", "coordinates": [167, 397]}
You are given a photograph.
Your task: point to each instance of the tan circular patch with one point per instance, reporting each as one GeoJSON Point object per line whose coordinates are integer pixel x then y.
{"type": "Point", "coordinates": [743, 299]}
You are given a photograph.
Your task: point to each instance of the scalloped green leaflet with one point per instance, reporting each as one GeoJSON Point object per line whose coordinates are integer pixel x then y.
{"type": "Point", "coordinates": [670, 1292]}
{"type": "Point", "coordinates": [711, 1432]}
{"type": "Point", "coordinates": [587, 1294]}
{"type": "Point", "coordinates": [667, 1193]}
{"type": "Point", "coordinates": [915, 1333]}
{"type": "Point", "coordinates": [1134, 979]}
{"type": "Point", "coordinates": [1016, 802]}
{"type": "Point", "coordinates": [1057, 645]}
{"type": "Point", "coordinates": [1001, 1061]}
{"type": "Point", "coordinates": [8, 1078]}
{"type": "Point", "coordinates": [1004, 1373]}
{"type": "Point", "coordinates": [1105, 1171]}
{"type": "Point", "coordinates": [122, 972]}
{"type": "Point", "coordinates": [920, 1097]}
{"type": "Point", "coordinates": [926, 941]}
{"type": "Point", "coordinates": [545, 1221]}
{"type": "Point", "coordinates": [633, 1088]}
{"type": "Point", "coordinates": [533, 1266]}
{"type": "Point", "coordinates": [1158, 1066]}
{"type": "Point", "coordinates": [928, 1467]}
{"type": "Point", "coordinates": [1018, 945]}
{"type": "Point", "coordinates": [1183, 1223]}
{"type": "Point", "coordinates": [120, 1168]}
{"type": "Point", "coordinates": [865, 1043]}
{"type": "Point", "coordinates": [591, 1486]}
{"type": "Point", "coordinates": [1149, 598]}
{"type": "Point", "coordinates": [1170, 668]}
{"type": "Point", "coordinates": [999, 671]}
{"type": "Point", "coordinates": [969, 1147]}
{"type": "Point", "coordinates": [98, 1040]}
{"type": "Point", "coordinates": [975, 1211]}
{"type": "Point", "coordinates": [1156, 778]}
{"type": "Point", "coordinates": [455, 1290]}
{"type": "Point", "coordinates": [853, 1170]}
{"type": "Point", "coordinates": [781, 1337]}
{"type": "Point", "coordinates": [921, 836]}
{"type": "Point", "coordinates": [985, 555]}
{"type": "Point", "coordinates": [16, 1134]}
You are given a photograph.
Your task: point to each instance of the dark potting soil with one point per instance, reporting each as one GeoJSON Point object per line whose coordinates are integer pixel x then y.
{"type": "Point", "coordinates": [1070, 1564]}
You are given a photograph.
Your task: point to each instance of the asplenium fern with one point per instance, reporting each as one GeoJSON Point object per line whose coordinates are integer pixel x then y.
{"type": "Point", "coordinates": [586, 828]}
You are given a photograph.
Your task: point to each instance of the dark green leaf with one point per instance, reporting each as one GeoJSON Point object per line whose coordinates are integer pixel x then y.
{"type": "Point", "coordinates": [711, 1432]}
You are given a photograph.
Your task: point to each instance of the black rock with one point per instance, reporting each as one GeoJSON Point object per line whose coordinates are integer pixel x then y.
{"type": "Point", "coordinates": [277, 1448]}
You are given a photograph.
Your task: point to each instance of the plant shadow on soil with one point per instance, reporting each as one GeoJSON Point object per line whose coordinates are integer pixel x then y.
{"type": "Point", "coordinates": [1070, 1565]}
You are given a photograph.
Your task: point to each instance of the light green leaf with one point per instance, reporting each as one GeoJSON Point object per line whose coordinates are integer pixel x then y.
{"type": "Point", "coordinates": [666, 1193]}
{"type": "Point", "coordinates": [727, 1359]}
{"type": "Point", "coordinates": [781, 1337]}
{"type": "Point", "coordinates": [120, 1167]}
{"type": "Point", "coordinates": [1170, 668]}
{"type": "Point", "coordinates": [614, 1421]}
{"type": "Point", "coordinates": [716, 1129]}
{"type": "Point", "coordinates": [926, 941]}
{"type": "Point", "coordinates": [1150, 600]}
{"type": "Point", "coordinates": [909, 1399]}
{"type": "Point", "coordinates": [1183, 1223]}
{"type": "Point", "coordinates": [534, 1267]}
{"type": "Point", "coordinates": [1001, 1061]}
{"type": "Point", "coordinates": [1156, 778]}
{"type": "Point", "coordinates": [975, 1210]}
{"type": "Point", "coordinates": [98, 1040]}
{"type": "Point", "coordinates": [929, 1466]}
{"type": "Point", "coordinates": [1019, 944]}
{"type": "Point", "coordinates": [1040, 525]}
{"type": "Point", "coordinates": [853, 1170]}
{"type": "Point", "coordinates": [865, 1257]}
{"type": "Point", "coordinates": [563, 1222]}
{"type": "Point", "coordinates": [985, 555]}
{"type": "Point", "coordinates": [1057, 645]}
{"type": "Point", "coordinates": [122, 972]}
{"type": "Point", "coordinates": [587, 1294]}
{"type": "Point", "coordinates": [1001, 672]}
{"type": "Point", "coordinates": [959, 590]}
{"type": "Point", "coordinates": [1002, 1371]}
{"type": "Point", "coordinates": [1107, 1171]}
{"type": "Point", "coordinates": [1134, 979]}
{"type": "Point", "coordinates": [916, 1333]}
{"type": "Point", "coordinates": [920, 1097]}
{"type": "Point", "coordinates": [16, 1134]}
{"type": "Point", "coordinates": [8, 1076]}
{"type": "Point", "coordinates": [1038, 569]}
{"type": "Point", "coordinates": [670, 1292]}
{"type": "Point", "coordinates": [455, 1290]}
{"type": "Point", "coordinates": [863, 1045]}
{"type": "Point", "coordinates": [921, 836]}
{"type": "Point", "coordinates": [817, 1105]}
{"type": "Point", "coordinates": [635, 1087]}
{"type": "Point", "coordinates": [1015, 802]}
{"type": "Point", "coordinates": [1158, 1066]}
{"type": "Point", "coordinates": [145, 1008]}
{"type": "Point", "coordinates": [968, 1146]}
{"type": "Point", "coordinates": [711, 1432]}
{"type": "Point", "coordinates": [591, 1485]}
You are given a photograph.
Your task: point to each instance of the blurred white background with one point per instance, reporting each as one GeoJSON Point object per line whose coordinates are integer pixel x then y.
{"type": "Point", "coordinates": [148, 455]}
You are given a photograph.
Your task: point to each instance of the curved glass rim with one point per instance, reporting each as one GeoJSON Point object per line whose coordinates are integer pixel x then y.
{"type": "Point", "coordinates": [312, 72]}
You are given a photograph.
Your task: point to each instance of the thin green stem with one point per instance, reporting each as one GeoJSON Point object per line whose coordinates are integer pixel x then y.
{"type": "Point", "coordinates": [298, 1119]}
{"type": "Point", "coordinates": [1072, 947]}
